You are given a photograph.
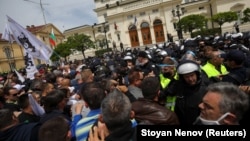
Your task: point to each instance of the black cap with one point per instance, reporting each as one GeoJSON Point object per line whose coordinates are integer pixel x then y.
{"type": "Point", "coordinates": [235, 55]}
{"type": "Point", "coordinates": [143, 54]}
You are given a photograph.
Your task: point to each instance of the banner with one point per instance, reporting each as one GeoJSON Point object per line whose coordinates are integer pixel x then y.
{"type": "Point", "coordinates": [27, 40]}
{"type": "Point", "coordinates": [29, 66]}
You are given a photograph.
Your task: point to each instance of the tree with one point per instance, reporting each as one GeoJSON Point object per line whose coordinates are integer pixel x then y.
{"type": "Point", "coordinates": [80, 42]}
{"type": "Point", "coordinates": [246, 16]}
{"type": "Point", "coordinates": [223, 17]}
{"type": "Point", "coordinates": [62, 50]}
{"type": "Point", "coordinates": [191, 22]}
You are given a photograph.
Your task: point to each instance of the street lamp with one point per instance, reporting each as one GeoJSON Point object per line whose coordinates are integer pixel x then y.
{"type": "Point", "coordinates": [105, 32]}
{"type": "Point", "coordinates": [178, 12]}
{"type": "Point", "coordinates": [9, 53]}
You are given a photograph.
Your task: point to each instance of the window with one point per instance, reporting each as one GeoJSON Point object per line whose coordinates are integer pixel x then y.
{"type": "Point", "coordinates": [144, 24]}
{"type": "Point", "coordinates": [142, 13]}
{"type": "Point", "coordinates": [157, 22]}
{"type": "Point", "coordinates": [129, 16]}
{"type": "Point", "coordinates": [105, 16]}
{"type": "Point", "coordinates": [99, 29]}
{"type": "Point", "coordinates": [155, 10]}
{"type": "Point", "coordinates": [8, 52]}
{"type": "Point", "coordinates": [201, 8]}
{"type": "Point", "coordinates": [118, 37]}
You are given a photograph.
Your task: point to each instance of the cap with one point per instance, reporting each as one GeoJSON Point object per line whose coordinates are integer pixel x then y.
{"type": "Point", "coordinates": [143, 54]}
{"type": "Point", "coordinates": [235, 55]}
{"type": "Point", "coordinates": [18, 86]}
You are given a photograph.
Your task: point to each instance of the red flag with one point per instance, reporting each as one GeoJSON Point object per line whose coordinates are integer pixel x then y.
{"type": "Point", "coordinates": [115, 26]}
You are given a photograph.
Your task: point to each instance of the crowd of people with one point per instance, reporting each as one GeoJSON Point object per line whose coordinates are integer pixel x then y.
{"type": "Point", "coordinates": [199, 81]}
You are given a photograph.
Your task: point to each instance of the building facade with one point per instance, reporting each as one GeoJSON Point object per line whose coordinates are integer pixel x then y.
{"type": "Point", "coordinates": [12, 54]}
{"type": "Point", "coordinates": [147, 22]}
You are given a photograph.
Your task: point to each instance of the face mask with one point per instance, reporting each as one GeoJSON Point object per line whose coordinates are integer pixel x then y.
{"type": "Point", "coordinates": [167, 74]}
{"type": "Point", "coordinates": [212, 122]}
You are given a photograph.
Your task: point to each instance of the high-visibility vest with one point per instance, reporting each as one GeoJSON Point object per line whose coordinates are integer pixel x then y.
{"type": "Point", "coordinates": [170, 100]}
{"type": "Point", "coordinates": [211, 71]}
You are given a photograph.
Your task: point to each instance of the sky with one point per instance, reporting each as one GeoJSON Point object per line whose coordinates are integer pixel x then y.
{"type": "Point", "coordinates": [64, 14]}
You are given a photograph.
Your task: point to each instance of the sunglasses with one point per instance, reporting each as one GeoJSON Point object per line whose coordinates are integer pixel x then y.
{"type": "Point", "coordinates": [15, 94]}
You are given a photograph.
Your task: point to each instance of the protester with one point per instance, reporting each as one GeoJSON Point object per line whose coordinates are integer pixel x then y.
{"type": "Point", "coordinates": [27, 114]}
{"type": "Point", "coordinates": [11, 99]}
{"type": "Point", "coordinates": [148, 110]}
{"type": "Point", "coordinates": [135, 77]}
{"type": "Point", "coordinates": [55, 129]}
{"type": "Point", "coordinates": [115, 120]}
{"type": "Point", "coordinates": [223, 104]}
{"type": "Point", "coordinates": [12, 130]}
{"type": "Point", "coordinates": [92, 94]}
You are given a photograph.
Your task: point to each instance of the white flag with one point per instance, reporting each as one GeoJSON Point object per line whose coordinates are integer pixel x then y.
{"type": "Point", "coordinates": [6, 34]}
{"type": "Point", "coordinates": [20, 77]}
{"type": "Point", "coordinates": [31, 44]}
{"type": "Point", "coordinates": [29, 65]}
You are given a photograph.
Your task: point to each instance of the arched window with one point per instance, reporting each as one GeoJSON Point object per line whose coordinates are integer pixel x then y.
{"type": "Point", "coordinates": [132, 27]}
{"type": "Point", "coordinates": [144, 24]}
{"type": "Point", "coordinates": [157, 22]}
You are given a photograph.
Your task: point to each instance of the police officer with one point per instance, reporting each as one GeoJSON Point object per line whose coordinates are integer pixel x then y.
{"type": "Point", "coordinates": [146, 65]}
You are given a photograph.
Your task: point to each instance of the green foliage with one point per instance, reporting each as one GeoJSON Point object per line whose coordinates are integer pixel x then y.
{"type": "Point", "coordinates": [224, 17]}
{"type": "Point", "coordinates": [246, 16]}
{"type": "Point", "coordinates": [62, 50]}
{"type": "Point", "coordinates": [80, 42]}
{"type": "Point", "coordinates": [102, 51]}
{"type": "Point", "coordinates": [191, 22]}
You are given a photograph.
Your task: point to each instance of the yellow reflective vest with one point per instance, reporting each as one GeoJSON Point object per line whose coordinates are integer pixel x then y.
{"type": "Point", "coordinates": [170, 101]}
{"type": "Point", "coordinates": [211, 71]}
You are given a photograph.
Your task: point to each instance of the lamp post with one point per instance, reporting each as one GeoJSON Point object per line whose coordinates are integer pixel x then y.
{"type": "Point", "coordinates": [9, 53]}
{"type": "Point", "coordinates": [105, 32]}
{"type": "Point", "coordinates": [178, 12]}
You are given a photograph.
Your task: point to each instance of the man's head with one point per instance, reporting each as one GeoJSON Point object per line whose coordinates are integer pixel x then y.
{"type": "Point", "coordinates": [168, 67]}
{"type": "Point", "coordinates": [11, 94]}
{"type": "Point", "coordinates": [234, 58]}
{"type": "Point", "coordinates": [93, 94]}
{"type": "Point", "coordinates": [142, 58]}
{"type": "Point", "coordinates": [7, 118]}
{"type": "Point", "coordinates": [135, 77]}
{"type": "Point", "coordinates": [55, 129]}
{"type": "Point", "coordinates": [224, 103]}
{"type": "Point", "coordinates": [150, 87]}
{"type": "Point", "coordinates": [216, 58]}
{"type": "Point", "coordinates": [189, 72]}
{"type": "Point", "coordinates": [116, 110]}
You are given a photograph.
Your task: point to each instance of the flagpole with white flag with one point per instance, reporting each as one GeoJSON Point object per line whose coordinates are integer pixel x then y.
{"type": "Point", "coordinates": [20, 77]}
{"type": "Point", "coordinates": [28, 41]}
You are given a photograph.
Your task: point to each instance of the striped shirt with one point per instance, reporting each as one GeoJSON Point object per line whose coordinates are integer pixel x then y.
{"type": "Point", "coordinates": [84, 125]}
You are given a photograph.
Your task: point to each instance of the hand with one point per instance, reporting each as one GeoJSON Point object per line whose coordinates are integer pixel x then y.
{"type": "Point", "coordinates": [93, 135]}
{"type": "Point", "coordinates": [122, 88]}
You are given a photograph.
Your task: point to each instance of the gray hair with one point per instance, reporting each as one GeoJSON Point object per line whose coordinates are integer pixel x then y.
{"type": "Point", "coordinates": [116, 109]}
{"type": "Point", "coordinates": [233, 99]}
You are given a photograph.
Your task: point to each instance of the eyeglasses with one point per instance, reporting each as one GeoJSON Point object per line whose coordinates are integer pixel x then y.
{"type": "Point", "coordinates": [15, 94]}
